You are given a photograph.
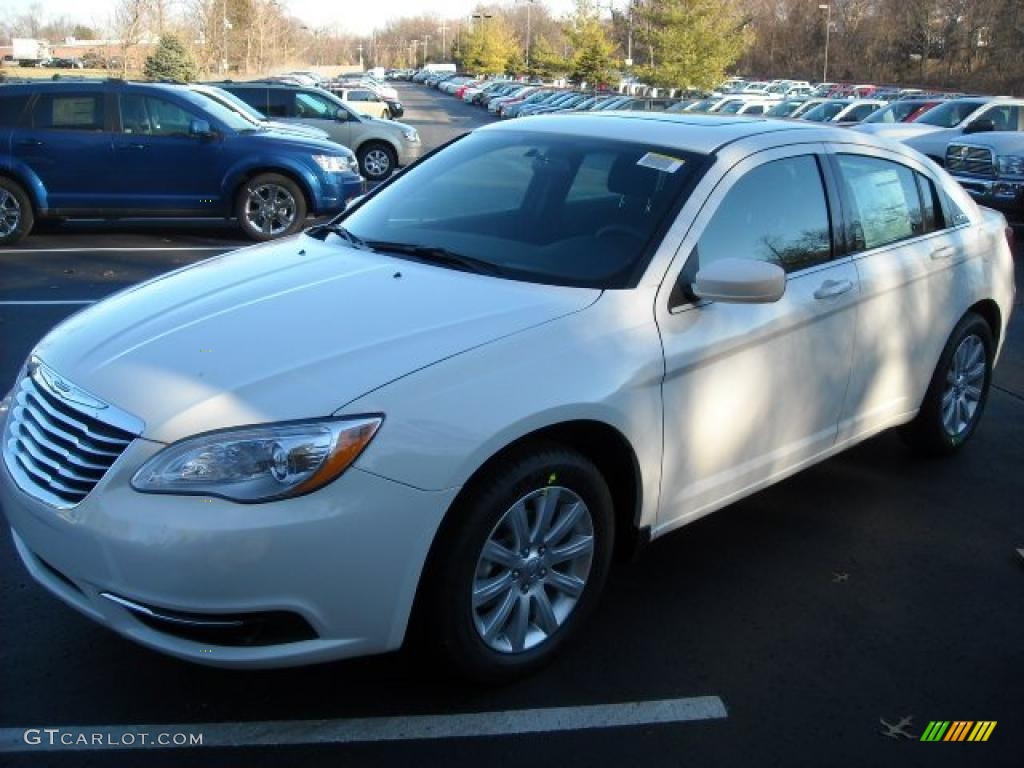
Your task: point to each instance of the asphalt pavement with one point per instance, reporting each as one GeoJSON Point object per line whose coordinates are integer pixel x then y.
{"type": "Point", "coordinates": [873, 587]}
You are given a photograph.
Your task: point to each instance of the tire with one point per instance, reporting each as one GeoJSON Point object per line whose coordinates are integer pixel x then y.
{"type": "Point", "coordinates": [258, 215]}
{"type": "Point", "coordinates": [16, 214]}
{"type": "Point", "coordinates": [957, 393]}
{"type": "Point", "coordinates": [521, 585]}
{"type": "Point", "coordinates": [377, 161]}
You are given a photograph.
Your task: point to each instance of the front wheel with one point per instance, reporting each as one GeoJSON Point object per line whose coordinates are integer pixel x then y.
{"type": "Point", "coordinates": [270, 206]}
{"type": "Point", "coordinates": [525, 565]}
{"type": "Point", "coordinates": [958, 391]}
{"type": "Point", "coordinates": [377, 161]}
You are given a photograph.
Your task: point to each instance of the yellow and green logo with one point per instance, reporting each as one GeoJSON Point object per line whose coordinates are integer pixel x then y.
{"type": "Point", "coordinates": [958, 730]}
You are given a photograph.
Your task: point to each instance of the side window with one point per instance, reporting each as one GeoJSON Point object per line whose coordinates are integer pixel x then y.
{"type": "Point", "coordinates": [777, 212]}
{"type": "Point", "coordinates": [152, 116]}
{"type": "Point", "coordinates": [1005, 117]}
{"type": "Point", "coordinates": [73, 112]}
{"type": "Point", "coordinates": [280, 102]}
{"type": "Point", "coordinates": [931, 209]}
{"type": "Point", "coordinates": [885, 201]}
{"type": "Point", "coordinates": [11, 108]}
{"type": "Point", "coordinates": [359, 96]}
{"type": "Point", "coordinates": [254, 97]}
{"type": "Point", "coordinates": [314, 106]}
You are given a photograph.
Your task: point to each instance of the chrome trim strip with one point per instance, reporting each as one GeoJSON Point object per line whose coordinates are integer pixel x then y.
{"type": "Point", "coordinates": [150, 613]}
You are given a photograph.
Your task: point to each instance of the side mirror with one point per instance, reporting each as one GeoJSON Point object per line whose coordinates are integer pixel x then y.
{"type": "Point", "coordinates": [981, 125]}
{"type": "Point", "coordinates": [740, 281]}
{"type": "Point", "coordinates": [200, 129]}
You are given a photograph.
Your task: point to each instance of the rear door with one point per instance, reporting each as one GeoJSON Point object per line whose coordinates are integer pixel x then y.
{"type": "Point", "coordinates": [161, 166]}
{"type": "Point", "coordinates": [66, 143]}
{"type": "Point", "coordinates": [905, 244]}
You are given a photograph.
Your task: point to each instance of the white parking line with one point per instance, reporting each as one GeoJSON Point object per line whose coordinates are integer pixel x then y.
{"type": "Point", "coordinates": [370, 729]}
{"type": "Point", "coordinates": [89, 249]}
{"type": "Point", "coordinates": [54, 302]}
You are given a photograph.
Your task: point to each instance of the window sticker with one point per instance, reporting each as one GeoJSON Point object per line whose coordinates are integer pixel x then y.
{"type": "Point", "coordinates": [663, 163]}
{"type": "Point", "coordinates": [885, 217]}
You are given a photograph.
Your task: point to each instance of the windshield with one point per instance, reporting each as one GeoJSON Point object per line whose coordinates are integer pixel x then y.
{"type": "Point", "coordinates": [231, 101]}
{"type": "Point", "coordinates": [783, 109]}
{"type": "Point", "coordinates": [526, 203]}
{"type": "Point", "coordinates": [896, 112]}
{"type": "Point", "coordinates": [226, 115]}
{"type": "Point", "coordinates": [824, 112]}
{"type": "Point", "coordinates": [950, 114]}
{"type": "Point", "coordinates": [731, 108]}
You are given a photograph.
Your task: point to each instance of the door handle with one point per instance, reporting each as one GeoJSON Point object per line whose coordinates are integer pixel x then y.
{"type": "Point", "coordinates": [131, 145]}
{"type": "Point", "coordinates": [832, 288]}
{"type": "Point", "coordinates": [30, 143]}
{"type": "Point", "coordinates": [943, 253]}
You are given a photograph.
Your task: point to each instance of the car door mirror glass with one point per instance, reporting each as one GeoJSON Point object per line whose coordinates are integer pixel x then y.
{"type": "Point", "coordinates": [199, 129]}
{"type": "Point", "coordinates": [740, 281]}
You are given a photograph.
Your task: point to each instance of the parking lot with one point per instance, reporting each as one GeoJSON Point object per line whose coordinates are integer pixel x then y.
{"type": "Point", "coordinates": [874, 587]}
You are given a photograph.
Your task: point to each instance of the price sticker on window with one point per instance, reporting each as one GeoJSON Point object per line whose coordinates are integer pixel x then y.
{"type": "Point", "coordinates": [663, 163]}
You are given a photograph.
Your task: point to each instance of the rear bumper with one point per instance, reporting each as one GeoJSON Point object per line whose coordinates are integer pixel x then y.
{"type": "Point", "coordinates": [1007, 197]}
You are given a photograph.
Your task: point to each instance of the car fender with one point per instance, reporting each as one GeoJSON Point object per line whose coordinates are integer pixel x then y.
{"type": "Point", "coordinates": [24, 175]}
{"type": "Point", "coordinates": [271, 163]}
{"type": "Point", "coordinates": [601, 364]}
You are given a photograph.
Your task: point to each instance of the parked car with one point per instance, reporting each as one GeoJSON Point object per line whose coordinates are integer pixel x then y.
{"type": "Point", "coordinates": [363, 101]}
{"type": "Point", "coordinates": [257, 118]}
{"type": "Point", "coordinates": [990, 166]}
{"type": "Point", "coordinates": [901, 111]}
{"type": "Point", "coordinates": [115, 149]}
{"type": "Point", "coordinates": [483, 400]}
{"type": "Point", "coordinates": [381, 145]}
{"type": "Point", "coordinates": [932, 132]}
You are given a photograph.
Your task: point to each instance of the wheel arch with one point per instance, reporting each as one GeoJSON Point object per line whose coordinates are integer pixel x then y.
{"type": "Point", "coordinates": [32, 185]}
{"type": "Point", "coordinates": [604, 445]}
{"type": "Point", "coordinates": [246, 175]}
{"type": "Point", "coordinates": [989, 311]}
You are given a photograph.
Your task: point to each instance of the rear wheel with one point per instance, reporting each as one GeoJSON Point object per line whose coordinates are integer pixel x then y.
{"type": "Point", "coordinates": [16, 216]}
{"type": "Point", "coordinates": [958, 391]}
{"type": "Point", "coordinates": [525, 565]}
{"type": "Point", "coordinates": [269, 206]}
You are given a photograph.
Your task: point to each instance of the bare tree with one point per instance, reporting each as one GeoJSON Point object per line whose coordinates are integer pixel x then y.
{"type": "Point", "coordinates": [131, 19]}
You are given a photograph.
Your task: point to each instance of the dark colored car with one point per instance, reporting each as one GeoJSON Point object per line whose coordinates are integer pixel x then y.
{"type": "Point", "coordinates": [116, 149]}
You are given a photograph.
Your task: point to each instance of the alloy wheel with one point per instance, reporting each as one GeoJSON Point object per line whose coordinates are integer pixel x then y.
{"type": "Point", "coordinates": [10, 213]}
{"type": "Point", "coordinates": [964, 381]}
{"type": "Point", "coordinates": [377, 163]}
{"type": "Point", "coordinates": [270, 208]}
{"type": "Point", "coordinates": [533, 569]}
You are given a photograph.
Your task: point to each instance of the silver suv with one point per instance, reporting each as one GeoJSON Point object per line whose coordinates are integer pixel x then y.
{"type": "Point", "coordinates": [381, 145]}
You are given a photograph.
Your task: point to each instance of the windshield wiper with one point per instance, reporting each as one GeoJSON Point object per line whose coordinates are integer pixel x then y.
{"type": "Point", "coordinates": [321, 231]}
{"type": "Point", "coordinates": [437, 255]}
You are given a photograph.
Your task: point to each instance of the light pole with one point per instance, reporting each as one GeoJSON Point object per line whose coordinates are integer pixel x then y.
{"type": "Point", "coordinates": [827, 7]}
{"type": "Point", "coordinates": [528, 4]}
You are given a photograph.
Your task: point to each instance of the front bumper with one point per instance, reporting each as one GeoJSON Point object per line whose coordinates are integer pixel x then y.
{"type": "Point", "coordinates": [343, 562]}
{"type": "Point", "coordinates": [336, 191]}
{"type": "Point", "coordinates": [1004, 196]}
{"type": "Point", "coordinates": [409, 153]}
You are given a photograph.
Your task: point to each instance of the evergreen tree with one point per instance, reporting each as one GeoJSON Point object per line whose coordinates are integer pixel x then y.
{"type": "Point", "coordinates": [170, 61]}
{"type": "Point", "coordinates": [692, 42]}
{"type": "Point", "coordinates": [592, 49]}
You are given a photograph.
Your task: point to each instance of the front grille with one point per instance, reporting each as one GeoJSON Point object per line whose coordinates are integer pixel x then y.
{"type": "Point", "coordinates": [976, 161]}
{"type": "Point", "coordinates": [58, 445]}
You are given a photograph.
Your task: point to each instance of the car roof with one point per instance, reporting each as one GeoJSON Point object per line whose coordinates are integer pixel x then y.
{"type": "Point", "coordinates": [680, 130]}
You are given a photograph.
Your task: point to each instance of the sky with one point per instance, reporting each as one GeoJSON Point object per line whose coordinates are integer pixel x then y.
{"type": "Point", "coordinates": [352, 16]}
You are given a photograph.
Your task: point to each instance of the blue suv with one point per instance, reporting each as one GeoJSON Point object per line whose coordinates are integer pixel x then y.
{"type": "Point", "coordinates": [115, 149]}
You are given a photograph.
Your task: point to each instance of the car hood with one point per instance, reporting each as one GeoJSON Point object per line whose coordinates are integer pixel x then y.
{"type": "Point", "coordinates": [291, 129]}
{"type": "Point", "coordinates": [295, 140]}
{"type": "Point", "coordinates": [287, 330]}
{"type": "Point", "coordinates": [897, 130]}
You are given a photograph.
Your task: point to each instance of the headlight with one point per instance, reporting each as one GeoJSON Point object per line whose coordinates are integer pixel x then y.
{"type": "Point", "coordinates": [1010, 165]}
{"type": "Point", "coordinates": [261, 463]}
{"type": "Point", "coordinates": [336, 163]}
{"type": "Point", "coordinates": [410, 135]}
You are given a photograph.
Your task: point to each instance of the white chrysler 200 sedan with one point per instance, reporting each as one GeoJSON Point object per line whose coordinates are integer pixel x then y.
{"type": "Point", "coordinates": [455, 405]}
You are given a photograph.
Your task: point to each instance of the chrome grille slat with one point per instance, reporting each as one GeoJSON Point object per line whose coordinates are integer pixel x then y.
{"type": "Point", "coordinates": [59, 440]}
{"type": "Point", "coordinates": [68, 421]}
{"type": "Point", "coordinates": [61, 454]}
{"type": "Point", "coordinates": [971, 160]}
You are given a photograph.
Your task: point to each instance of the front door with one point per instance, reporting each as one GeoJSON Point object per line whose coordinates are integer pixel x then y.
{"type": "Point", "coordinates": [754, 391]}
